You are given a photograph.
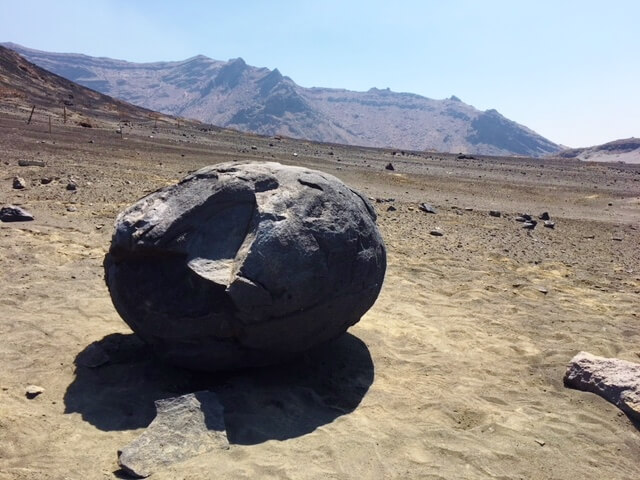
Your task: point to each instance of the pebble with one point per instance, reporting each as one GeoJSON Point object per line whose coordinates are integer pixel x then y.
{"type": "Point", "coordinates": [543, 290]}
{"type": "Point", "coordinates": [495, 213]}
{"type": "Point", "coordinates": [544, 216]}
{"type": "Point", "coordinates": [391, 208]}
{"type": "Point", "coordinates": [436, 233]}
{"type": "Point", "coordinates": [425, 207]}
{"type": "Point", "coordinates": [389, 166]}
{"type": "Point", "coordinates": [32, 391]}
{"type": "Point", "coordinates": [529, 225]}
{"type": "Point", "coordinates": [19, 183]}
{"type": "Point", "coordinates": [542, 443]}
{"type": "Point", "coordinates": [46, 180]}
{"type": "Point", "coordinates": [71, 186]}
{"type": "Point", "coordinates": [549, 224]}
{"type": "Point", "coordinates": [71, 208]}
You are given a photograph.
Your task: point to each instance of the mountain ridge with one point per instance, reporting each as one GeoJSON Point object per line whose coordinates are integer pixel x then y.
{"type": "Point", "coordinates": [26, 86]}
{"type": "Point", "coordinates": [622, 150]}
{"type": "Point", "coordinates": [259, 100]}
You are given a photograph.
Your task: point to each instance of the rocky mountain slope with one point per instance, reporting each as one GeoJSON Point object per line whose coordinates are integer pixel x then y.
{"type": "Point", "coordinates": [24, 85]}
{"type": "Point", "coordinates": [625, 150]}
{"type": "Point", "coordinates": [234, 94]}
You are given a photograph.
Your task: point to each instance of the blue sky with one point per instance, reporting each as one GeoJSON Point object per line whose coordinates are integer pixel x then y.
{"type": "Point", "coordinates": [569, 70]}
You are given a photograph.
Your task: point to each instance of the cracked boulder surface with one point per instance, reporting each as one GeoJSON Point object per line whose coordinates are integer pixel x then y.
{"type": "Point", "coordinates": [245, 264]}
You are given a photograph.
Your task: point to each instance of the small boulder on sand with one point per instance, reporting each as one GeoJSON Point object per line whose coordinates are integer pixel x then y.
{"type": "Point", "coordinates": [617, 381]}
{"type": "Point", "coordinates": [12, 213]}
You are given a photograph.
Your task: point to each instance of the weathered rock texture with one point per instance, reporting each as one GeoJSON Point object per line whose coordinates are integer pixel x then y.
{"type": "Point", "coordinates": [244, 264]}
{"type": "Point", "coordinates": [617, 381]}
{"type": "Point", "coordinates": [184, 427]}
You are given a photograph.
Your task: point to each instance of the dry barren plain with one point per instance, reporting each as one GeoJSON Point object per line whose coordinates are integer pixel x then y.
{"type": "Point", "coordinates": [455, 373]}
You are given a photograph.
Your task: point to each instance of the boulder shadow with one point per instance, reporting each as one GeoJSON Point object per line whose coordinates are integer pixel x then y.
{"type": "Point", "coordinates": [118, 379]}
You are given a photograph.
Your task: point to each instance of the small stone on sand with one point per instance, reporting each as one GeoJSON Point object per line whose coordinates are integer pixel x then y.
{"type": "Point", "coordinates": [32, 391]}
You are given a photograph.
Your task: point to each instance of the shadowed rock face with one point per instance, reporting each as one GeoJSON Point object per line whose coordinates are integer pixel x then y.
{"type": "Point", "coordinates": [244, 264]}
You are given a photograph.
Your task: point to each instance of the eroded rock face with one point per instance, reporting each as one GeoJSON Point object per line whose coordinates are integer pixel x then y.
{"type": "Point", "coordinates": [244, 264]}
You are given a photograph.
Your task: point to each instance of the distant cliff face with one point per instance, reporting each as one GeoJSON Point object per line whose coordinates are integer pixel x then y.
{"type": "Point", "coordinates": [234, 94]}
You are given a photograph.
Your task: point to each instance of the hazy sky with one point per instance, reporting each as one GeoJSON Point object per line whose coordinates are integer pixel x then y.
{"type": "Point", "coordinates": [570, 70]}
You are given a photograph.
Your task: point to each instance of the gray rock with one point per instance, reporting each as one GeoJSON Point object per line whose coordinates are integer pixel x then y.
{"type": "Point", "coordinates": [389, 166]}
{"type": "Point", "coordinates": [549, 224]}
{"type": "Point", "coordinates": [19, 183]}
{"type": "Point", "coordinates": [495, 213]}
{"type": "Point", "coordinates": [245, 264]}
{"type": "Point", "coordinates": [529, 225]}
{"type": "Point", "coordinates": [523, 218]}
{"type": "Point", "coordinates": [12, 213]}
{"type": "Point", "coordinates": [544, 216]}
{"type": "Point", "coordinates": [184, 427]}
{"type": "Point", "coordinates": [425, 207]}
{"type": "Point", "coordinates": [617, 381]}
{"type": "Point", "coordinates": [30, 163]}
{"type": "Point", "coordinates": [71, 186]}
{"type": "Point", "coordinates": [436, 233]}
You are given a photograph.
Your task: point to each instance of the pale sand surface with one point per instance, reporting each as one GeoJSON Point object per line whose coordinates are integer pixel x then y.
{"type": "Point", "coordinates": [456, 372]}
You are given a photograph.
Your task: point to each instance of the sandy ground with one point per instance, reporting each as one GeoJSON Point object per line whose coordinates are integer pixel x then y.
{"type": "Point", "coordinates": [456, 372]}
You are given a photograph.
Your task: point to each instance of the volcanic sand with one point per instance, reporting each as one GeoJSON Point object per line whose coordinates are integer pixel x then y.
{"type": "Point", "coordinates": [456, 372]}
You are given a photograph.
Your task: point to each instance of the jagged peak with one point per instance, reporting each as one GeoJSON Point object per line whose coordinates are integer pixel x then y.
{"type": "Point", "coordinates": [237, 61]}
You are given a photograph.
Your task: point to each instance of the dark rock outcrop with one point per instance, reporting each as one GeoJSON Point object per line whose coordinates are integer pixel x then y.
{"type": "Point", "coordinates": [244, 264]}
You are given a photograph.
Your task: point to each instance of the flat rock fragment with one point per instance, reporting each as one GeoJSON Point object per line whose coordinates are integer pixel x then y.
{"type": "Point", "coordinates": [615, 380]}
{"type": "Point", "coordinates": [184, 427]}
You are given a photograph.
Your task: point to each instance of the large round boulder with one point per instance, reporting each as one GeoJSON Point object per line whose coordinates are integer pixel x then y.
{"type": "Point", "coordinates": [245, 264]}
